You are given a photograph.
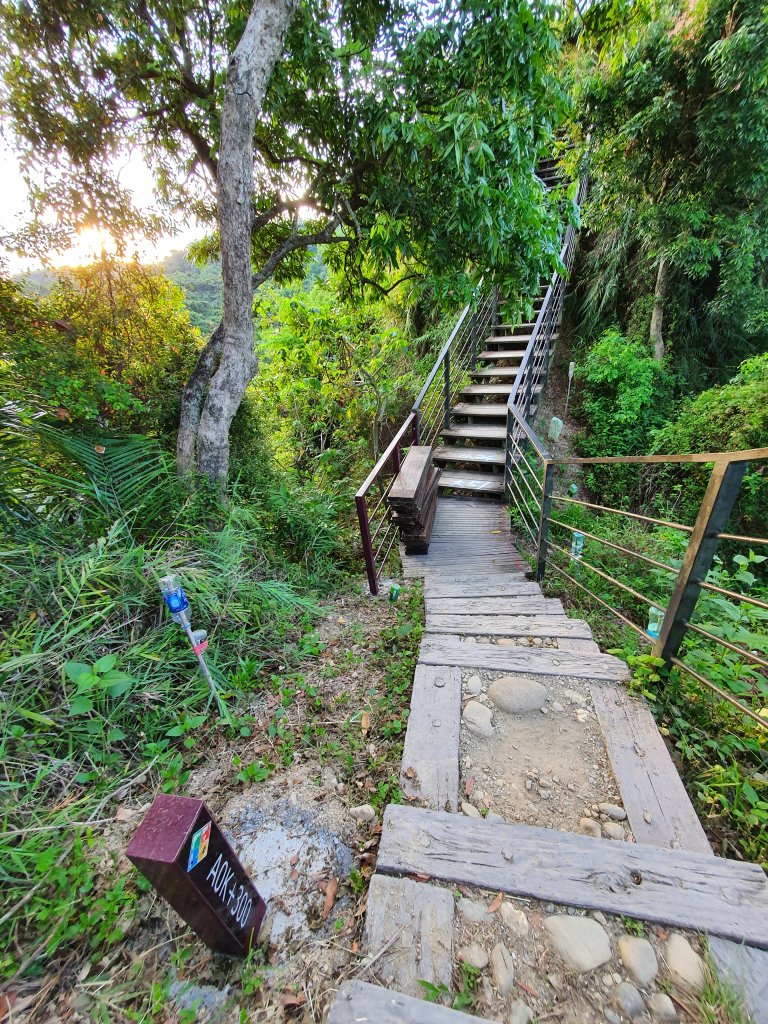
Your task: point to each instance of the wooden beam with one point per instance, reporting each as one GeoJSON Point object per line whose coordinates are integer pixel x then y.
{"type": "Point", "coordinates": [359, 1003]}
{"type": "Point", "coordinates": [673, 887]}
{"type": "Point", "coordinates": [430, 768]}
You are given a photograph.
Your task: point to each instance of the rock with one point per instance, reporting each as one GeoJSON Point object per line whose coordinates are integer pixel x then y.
{"type": "Point", "coordinates": [557, 706]}
{"type": "Point", "coordinates": [472, 911]}
{"type": "Point", "coordinates": [477, 719]}
{"type": "Point", "coordinates": [684, 963]}
{"type": "Point", "coordinates": [575, 697]}
{"type": "Point", "coordinates": [662, 1007]}
{"type": "Point", "coordinates": [474, 685]}
{"type": "Point", "coordinates": [607, 981]}
{"type": "Point", "coordinates": [545, 794]}
{"type": "Point", "coordinates": [580, 941]}
{"type": "Point", "coordinates": [362, 813]}
{"type": "Point", "coordinates": [600, 917]}
{"type": "Point", "coordinates": [516, 694]}
{"type": "Point", "coordinates": [503, 969]}
{"type": "Point", "coordinates": [494, 817]}
{"type": "Point", "coordinates": [629, 1000]}
{"type": "Point", "coordinates": [590, 827]}
{"type": "Point", "coordinates": [470, 810]}
{"type": "Point", "coordinates": [611, 1017]}
{"type": "Point", "coordinates": [473, 955]}
{"type": "Point", "coordinates": [520, 1013]}
{"type": "Point", "coordinates": [639, 958]}
{"type": "Point", "coordinates": [613, 830]}
{"type": "Point", "coordinates": [613, 811]}
{"type": "Point", "coordinates": [514, 920]}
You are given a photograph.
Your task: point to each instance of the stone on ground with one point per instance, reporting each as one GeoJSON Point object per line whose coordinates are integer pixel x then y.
{"type": "Point", "coordinates": [639, 958]}
{"type": "Point", "coordinates": [613, 811]}
{"type": "Point", "coordinates": [472, 911]}
{"type": "Point", "coordinates": [470, 810]}
{"type": "Point", "coordinates": [517, 695]}
{"type": "Point", "coordinates": [503, 969]}
{"type": "Point", "coordinates": [520, 1013]}
{"type": "Point", "coordinates": [613, 830]}
{"type": "Point", "coordinates": [629, 1000]}
{"type": "Point", "coordinates": [590, 827]}
{"type": "Point", "coordinates": [477, 718]}
{"type": "Point", "coordinates": [474, 685]}
{"type": "Point", "coordinates": [473, 955]}
{"type": "Point", "coordinates": [684, 963]}
{"type": "Point", "coordinates": [662, 1008]}
{"type": "Point", "coordinates": [515, 921]}
{"type": "Point", "coordinates": [580, 941]}
{"type": "Point", "coordinates": [362, 813]}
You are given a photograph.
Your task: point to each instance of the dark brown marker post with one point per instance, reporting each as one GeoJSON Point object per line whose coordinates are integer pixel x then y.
{"type": "Point", "coordinates": [181, 850]}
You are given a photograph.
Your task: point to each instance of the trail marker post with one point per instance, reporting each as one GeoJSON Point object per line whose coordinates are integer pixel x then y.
{"type": "Point", "coordinates": [183, 853]}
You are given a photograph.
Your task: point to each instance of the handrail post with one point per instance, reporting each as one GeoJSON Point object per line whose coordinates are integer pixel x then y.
{"type": "Point", "coordinates": [447, 389]}
{"type": "Point", "coordinates": [416, 426]}
{"type": "Point", "coordinates": [473, 340]}
{"type": "Point", "coordinates": [546, 509]}
{"type": "Point", "coordinates": [365, 535]}
{"type": "Point", "coordinates": [716, 506]}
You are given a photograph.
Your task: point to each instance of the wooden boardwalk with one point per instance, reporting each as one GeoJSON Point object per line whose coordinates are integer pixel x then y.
{"type": "Point", "coordinates": [476, 592]}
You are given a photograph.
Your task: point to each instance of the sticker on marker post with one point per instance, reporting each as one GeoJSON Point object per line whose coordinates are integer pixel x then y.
{"type": "Point", "coordinates": [199, 848]}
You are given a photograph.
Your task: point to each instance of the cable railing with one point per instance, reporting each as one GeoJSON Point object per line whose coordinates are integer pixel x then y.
{"type": "Point", "coordinates": [429, 416]}
{"type": "Point", "coordinates": [666, 604]}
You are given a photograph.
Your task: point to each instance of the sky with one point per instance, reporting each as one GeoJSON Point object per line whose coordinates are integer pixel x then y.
{"type": "Point", "coordinates": [134, 174]}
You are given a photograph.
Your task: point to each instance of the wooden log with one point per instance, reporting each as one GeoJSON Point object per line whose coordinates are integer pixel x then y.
{"type": "Point", "coordinates": [409, 930]}
{"type": "Point", "coordinates": [507, 625]}
{"type": "Point", "coordinates": [413, 476]}
{"type": "Point", "coordinates": [430, 767]}
{"type": "Point", "coordinates": [529, 596]}
{"type": "Point", "coordinates": [672, 887]}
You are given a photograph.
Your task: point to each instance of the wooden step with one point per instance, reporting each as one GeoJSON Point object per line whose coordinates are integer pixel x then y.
{"type": "Point", "coordinates": [671, 887]}
{"type": "Point", "coordinates": [440, 649]}
{"type": "Point", "coordinates": [503, 353]}
{"type": "Point", "coordinates": [457, 453]}
{"type": "Point", "coordinates": [358, 1002]}
{"type": "Point", "coordinates": [410, 926]}
{"type": "Point", "coordinates": [496, 409]}
{"type": "Point", "coordinates": [487, 483]}
{"type": "Point", "coordinates": [488, 389]}
{"type": "Point", "coordinates": [554, 626]}
{"type": "Point", "coordinates": [475, 433]}
{"type": "Point", "coordinates": [471, 585]}
{"type": "Point", "coordinates": [513, 336]}
{"type": "Point", "coordinates": [429, 773]}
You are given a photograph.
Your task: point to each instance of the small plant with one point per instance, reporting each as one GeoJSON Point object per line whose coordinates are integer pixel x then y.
{"type": "Point", "coordinates": [633, 926]}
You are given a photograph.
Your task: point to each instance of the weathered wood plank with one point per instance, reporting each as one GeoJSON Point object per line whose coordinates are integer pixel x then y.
{"type": "Point", "coordinates": [413, 475]}
{"type": "Point", "coordinates": [420, 565]}
{"type": "Point", "coordinates": [673, 887]}
{"type": "Point", "coordinates": [359, 1003]}
{"type": "Point", "coordinates": [507, 625]}
{"type": "Point", "coordinates": [411, 925]}
{"type": "Point", "coordinates": [438, 649]}
{"type": "Point", "coordinates": [531, 597]}
{"type": "Point", "coordinates": [430, 766]}
{"type": "Point", "coordinates": [657, 805]}
{"type": "Point", "coordinates": [478, 585]}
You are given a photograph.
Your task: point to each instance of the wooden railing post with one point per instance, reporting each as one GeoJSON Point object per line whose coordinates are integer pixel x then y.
{"type": "Point", "coordinates": [365, 536]}
{"type": "Point", "coordinates": [719, 498]}
{"type": "Point", "coordinates": [546, 508]}
{"type": "Point", "coordinates": [447, 389]}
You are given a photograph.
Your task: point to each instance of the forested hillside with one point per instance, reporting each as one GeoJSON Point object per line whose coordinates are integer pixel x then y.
{"type": "Point", "coordinates": [211, 416]}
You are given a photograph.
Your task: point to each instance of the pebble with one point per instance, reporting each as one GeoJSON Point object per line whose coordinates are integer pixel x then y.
{"type": "Point", "coordinates": [589, 827]}
{"type": "Point", "coordinates": [492, 816]}
{"type": "Point", "coordinates": [473, 955]}
{"type": "Point", "coordinates": [607, 980]}
{"type": "Point", "coordinates": [662, 1007]}
{"type": "Point", "coordinates": [613, 830]}
{"type": "Point", "coordinates": [520, 1013]}
{"type": "Point", "coordinates": [600, 917]}
{"type": "Point", "coordinates": [472, 911]}
{"type": "Point", "coordinates": [544, 794]}
{"type": "Point", "coordinates": [477, 719]}
{"type": "Point", "coordinates": [474, 685]}
{"type": "Point", "coordinates": [629, 1000]}
{"type": "Point", "coordinates": [470, 810]}
{"type": "Point", "coordinates": [580, 941]}
{"type": "Point", "coordinates": [515, 694]}
{"type": "Point", "coordinates": [557, 706]}
{"type": "Point", "coordinates": [613, 811]}
{"type": "Point", "coordinates": [684, 963]}
{"type": "Point", "coordinates": [515, 921]}
{"type": "Point", "coordinates": [528, 784]}
{"type": "Point", "coordinates": [639, 958]}
{"type": "Point", "coordinates": [611, 1017]}
{"type": "Point", "coordinates": [362, 813]}
{"type": "Point", "coordinates": [503, 969]}
{"type": "Point", "coordinates": [575, 697]}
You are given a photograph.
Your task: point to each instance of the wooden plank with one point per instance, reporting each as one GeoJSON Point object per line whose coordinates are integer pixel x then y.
{"type": "Point", "coordinates": [438, 649]}
{"type": "Point", "coordinates": [530, 603]}
{"type": "Point", "coordinates": [430, 769]}
{"type": "Point", "coordinates": [512, 589]}
{"type": "Point", "coordinates": [508, 625]}
{"type": "Point", "coordinates": [657, 805]}
{"type": "Point", "coordinates": [409, 928]}
{"type": "Point", "coordinates": [478, 585]}
{"type": "Point", "coordinates": [672, 887]}
{"type": "Point", "coordinates": [412, 473]}
{"type": "Point", "coordinates": [489, 483]}
{"type": "Point", "coordinates": [360, 1003]}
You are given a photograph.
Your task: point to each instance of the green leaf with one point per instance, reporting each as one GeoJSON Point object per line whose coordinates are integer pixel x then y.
{"type": "Point", "coordinates": [81, 706]}
{"type": "Point", "coordinates": [75, 669]}
{"type": "Point", "coordinates": [105, 664]}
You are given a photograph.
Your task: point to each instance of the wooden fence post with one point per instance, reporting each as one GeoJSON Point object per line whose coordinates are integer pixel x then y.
{"type": "Point", "coordinates": [716, 506]}
{"type": "Point", "coordinates": [546, 508]}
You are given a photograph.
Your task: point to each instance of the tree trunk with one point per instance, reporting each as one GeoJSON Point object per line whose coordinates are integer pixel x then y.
{"type": "Point", "coordinates": [249, 69]}
{"type": "Point", "coordinates": [657, 317]}
{"type": "Point", "coordinates": [192, 400]}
